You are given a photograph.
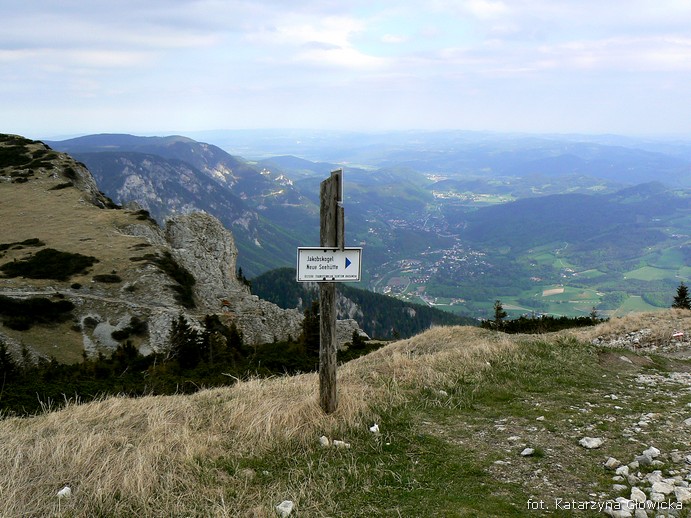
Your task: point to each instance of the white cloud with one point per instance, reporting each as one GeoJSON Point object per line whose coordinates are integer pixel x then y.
{"type": "Point", "coordinates": [271, 62]}
{"type": "Point", "coordinates": [486, 9]}
{"type": "Point", "coordinates": [394, 39]}
{"type": "Point", "coordinates": [633, 54]}
{"type": "Point", "coordinates": [318, 41]}
{"type": "Point", "coordinates": [340, 57]}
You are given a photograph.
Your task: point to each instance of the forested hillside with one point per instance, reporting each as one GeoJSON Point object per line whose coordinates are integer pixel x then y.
{"type": "Point", "coordinates": [378, 315]}
{"type": "Point", "coordinates": [618, 222]}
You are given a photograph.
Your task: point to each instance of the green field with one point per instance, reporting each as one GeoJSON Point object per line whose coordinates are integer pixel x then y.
{"type": "Point", "coordinates": [590, 274]}
{"type": "Point", "coordinates": [558, 286]}
{"type": "Point", "coordinates": [667, 258]}
{"type": "Point", "coordinates": [634, 304]}
{"type": "Point", "coordinates": [650, 273]}
{"type": "Point", "coordinates": [571, 301]}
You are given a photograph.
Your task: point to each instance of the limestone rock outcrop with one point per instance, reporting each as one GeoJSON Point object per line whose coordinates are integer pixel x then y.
{"type": "Point", "coordinates": [141, 275]}
{"type": "Point", "coordinates": [204, 247]}
{"type": "Point", "coordinates": [207, 250]}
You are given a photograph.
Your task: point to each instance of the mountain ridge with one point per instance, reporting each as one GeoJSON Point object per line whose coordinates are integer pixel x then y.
{"type": "Point", "coordinates": [130, 267]}
{"type": "Point", "coordinates": [402, 216]}
{"type": "Point", "coordinates": [200, 176]}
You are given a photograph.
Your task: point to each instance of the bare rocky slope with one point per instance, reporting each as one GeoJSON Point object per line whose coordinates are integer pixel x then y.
{"type": "Point", "coordinates": [138, 272]}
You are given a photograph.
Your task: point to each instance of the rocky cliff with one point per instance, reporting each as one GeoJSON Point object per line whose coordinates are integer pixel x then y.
{"type": "Point", "coordinates": [138, 277]}
{"type": "Point", "coordinates": [173, 175]}
{"type": "Point", "coordinates": [204, 247]}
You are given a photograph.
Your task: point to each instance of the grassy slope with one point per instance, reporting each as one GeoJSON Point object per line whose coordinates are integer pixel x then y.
{"type": "Point", "coordinates": [239, 451]}
{"type": "Point", "coordinates": [64, 220]}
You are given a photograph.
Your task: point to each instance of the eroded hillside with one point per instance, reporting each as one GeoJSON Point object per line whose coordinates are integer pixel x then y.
{"type": "Point", "coordinates": [76, 267]}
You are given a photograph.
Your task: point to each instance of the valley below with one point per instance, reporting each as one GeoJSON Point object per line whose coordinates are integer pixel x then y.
{"type": "Point", "coordinates": [558, 225]}
{"type": "Point", "coordinates": [571, 275]}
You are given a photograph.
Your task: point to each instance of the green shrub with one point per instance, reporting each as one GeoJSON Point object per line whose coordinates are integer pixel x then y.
{"type": "Point", "coordinates": [17, 175]}
{"type": "Point", "coordinates": [90, 323]}
{"type": "Point", "coordinates": [184, 279]}
{"type": "Point", "coordinates": [110, 278]}
{"type": "Point", "coordinates": [146, 257]}
{"type": "Point", "coordinates": [70, 173]}
{"type": "Point", "coordinates": [21, 314]}
{"type": "Point", "coordinates": [136, 327]}
{"type": "Point", "coordinates": [109, 204]}
{"type": "Point", "coordinates": [14, 156]}
{"type": "Point", "coordinates": [61, 186]}
{"type": "Point", "coordinates": [34, 241]}
{"type": "Point", "coordinates": [49, 264]}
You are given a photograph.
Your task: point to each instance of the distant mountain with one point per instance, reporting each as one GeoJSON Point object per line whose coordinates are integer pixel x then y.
{"type": "Point", "coordinates": [297, 167]}
{"type": "Point", "coordinates": [463, 154]}
{"type": "Point", "coordinates": [166, 175]}
{"type": "Point", "coordinates": [270, 206]}
{"type": "Point", "coordinates": [525, 157]}
{"type": "Point", "coordinates": [625, 220]}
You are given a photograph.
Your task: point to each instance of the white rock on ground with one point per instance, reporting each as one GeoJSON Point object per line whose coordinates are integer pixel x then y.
{"type": "Point", "coordinates": [637, 495]}
{"type": "Point", "coordinates": [591, 442]}
{"type": "Point", "coordinates": [663, 487]}
{"type": "Point", "coordinates": [683, 495]}
{"type": "Point", "coordinates": [612, 463]}
{"type": "Point", "coordinates": [285, 508]}
{"type": "Point", "coordinates": [652, 452]}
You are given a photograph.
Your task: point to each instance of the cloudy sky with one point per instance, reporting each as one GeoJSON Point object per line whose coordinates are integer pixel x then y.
{"type": "Point", "coordinates": [168, 66]}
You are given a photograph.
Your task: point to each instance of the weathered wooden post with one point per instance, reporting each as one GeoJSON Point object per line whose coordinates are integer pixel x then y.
{"type": "Point", "coordinates": [327, 264]}
{"type": "Point", "coordinates": [331, 235]}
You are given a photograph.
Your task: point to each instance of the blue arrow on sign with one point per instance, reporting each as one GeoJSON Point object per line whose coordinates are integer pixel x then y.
{"type": "Point", "coordinates": [348, 263]}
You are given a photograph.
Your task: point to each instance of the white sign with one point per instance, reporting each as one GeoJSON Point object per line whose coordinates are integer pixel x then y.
{"type": "Point", "coordinates": [328, 264]}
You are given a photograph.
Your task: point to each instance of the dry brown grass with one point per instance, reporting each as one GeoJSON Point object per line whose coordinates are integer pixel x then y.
{"type": "Point", "coordinates": [661, 323]}
{"type": "Point", "coordinates": [433, 358]}
{"type": "Point", "coordinates": [184, 455]}
{"type": "Point", "coordinates": [144, 455]}
{"type": "Point", "coordinates": [64, 220]}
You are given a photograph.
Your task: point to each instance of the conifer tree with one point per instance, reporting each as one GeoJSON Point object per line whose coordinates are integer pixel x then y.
{"type": "Point", "coordinates": [310, 329]}
{"type": "Point", "coordinates": [499, 315]}
{"type": "Point", "coordinates": [8, 368]}
{"type": "Point", "coordinates": [184, 343]}
{"type": "Point", "coordinates": [681, 299]}
{"type": "Point", "coordinates": [235, 342]}
{"type": "Point", "coordinates": [357, 342]}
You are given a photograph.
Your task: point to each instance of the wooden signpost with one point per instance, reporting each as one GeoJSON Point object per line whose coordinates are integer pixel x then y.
{"type": "Point", "coordinates": [331, 234]}
{"type": "Point", "coordinates": [332, 246]}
